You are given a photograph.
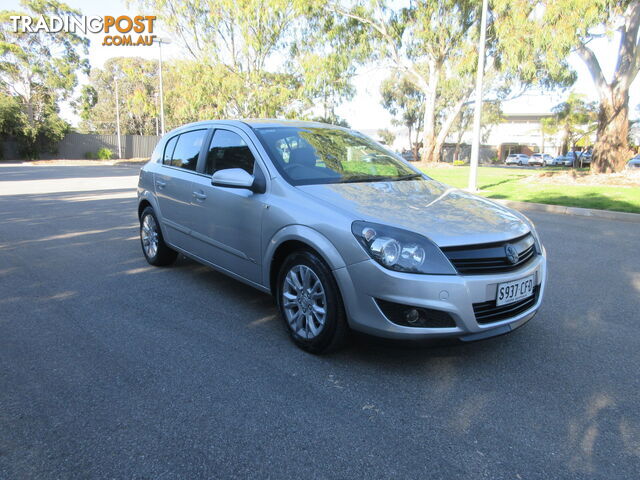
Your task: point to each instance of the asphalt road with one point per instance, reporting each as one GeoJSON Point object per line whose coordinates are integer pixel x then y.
{"type": "Point", "coordinates": [110, 368]}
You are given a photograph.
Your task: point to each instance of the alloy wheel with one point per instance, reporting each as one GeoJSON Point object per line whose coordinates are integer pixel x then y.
{"type": "Point", "coordinates": [304, 301]}
{"type": "Point", "coordinates": [149, 233]}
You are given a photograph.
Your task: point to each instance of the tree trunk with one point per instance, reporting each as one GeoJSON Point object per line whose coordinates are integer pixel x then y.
{"type": "Point", "coordinates": [437, 151]}
{"type": "Point", "coordinates": [612, 148]}
{"type": "Point", "coordinates": [429, 153]}
{"type": "Point", "coordinates": [429, 118]}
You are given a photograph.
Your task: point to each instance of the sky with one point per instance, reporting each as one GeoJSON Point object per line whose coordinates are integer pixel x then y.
{"type": "Point", "coordinates": [364, 111]}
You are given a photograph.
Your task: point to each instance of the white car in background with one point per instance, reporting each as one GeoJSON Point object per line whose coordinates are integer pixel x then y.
{"type": "Point", "coordinates": [563, 161]}
{"type": "Point", "coordinates": [517, 159]}
{"type": "Point", "coordinates": [541, 159]}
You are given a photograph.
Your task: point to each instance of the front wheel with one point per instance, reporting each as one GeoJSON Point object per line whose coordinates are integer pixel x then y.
{"type": "Point", "coordinates": [310, 303]}
{"type": "Point", "coordinates": [155, 250]}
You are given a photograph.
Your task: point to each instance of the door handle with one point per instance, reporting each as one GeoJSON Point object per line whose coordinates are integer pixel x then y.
{"type": "Point", "coordinates": [161, 184]}
{"type": "Point", "coordinates": [199, 195]}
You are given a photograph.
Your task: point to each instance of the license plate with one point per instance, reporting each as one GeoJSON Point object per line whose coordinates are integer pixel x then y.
{"type": "Point", "coordinates": [510, 292]}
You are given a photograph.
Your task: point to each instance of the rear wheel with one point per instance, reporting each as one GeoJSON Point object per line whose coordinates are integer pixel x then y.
{"type": "Point", "coordinates": [310, 303]}
{"type": "Point", "coordinates": [155, 250]}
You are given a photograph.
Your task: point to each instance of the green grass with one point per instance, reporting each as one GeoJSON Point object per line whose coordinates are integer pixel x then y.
{"type": "Point", "coordinates": [505, 183]}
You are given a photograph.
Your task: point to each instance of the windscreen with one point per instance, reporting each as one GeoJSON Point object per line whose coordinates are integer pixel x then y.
{"type": "Point", "coordinates": [316, 155]}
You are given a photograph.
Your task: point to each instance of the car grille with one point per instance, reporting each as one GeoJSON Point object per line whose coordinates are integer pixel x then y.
{"type": "Point", "coordinates": [491, 257]}
{"type": "Point", "coordinates": [488, 312]}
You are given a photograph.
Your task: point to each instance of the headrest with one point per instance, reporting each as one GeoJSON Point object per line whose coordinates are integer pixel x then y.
{"type": "Point", "coordinates": [305, 156]}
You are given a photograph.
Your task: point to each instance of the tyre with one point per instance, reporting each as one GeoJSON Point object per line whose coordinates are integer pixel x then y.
{"type": "Point", "coordinates": [155, 250]}
{"type": "Point", "coordinates": [310, 303]}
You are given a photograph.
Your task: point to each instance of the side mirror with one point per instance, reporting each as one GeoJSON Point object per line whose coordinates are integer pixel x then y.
{"type": "Point", "coordinates": [233, 178]}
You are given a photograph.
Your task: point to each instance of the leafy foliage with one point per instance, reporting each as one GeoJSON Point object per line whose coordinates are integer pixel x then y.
{"type": "Point", "coordinates": [575, 118]}
{"type": "Point", "coordinates": [431, 46]}
{"type": "Point", "coordinates": [252, 58]}
{"type": "Point", "coordinates": [104, 154]}
{"type": "Point", "coordinates": [137, 80]}
{"type": "Point", "coordinates": [574, 25]}
{"type": "Point", "coordinates": [406, 103]}
{"type": "Point", "coordinates": [39, 70]}
{"type": "Point", "coordinates": [387, 136]}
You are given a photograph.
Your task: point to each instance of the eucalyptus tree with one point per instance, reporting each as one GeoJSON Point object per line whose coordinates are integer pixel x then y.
{"type": "Point", "coordinates": [38, 70]}
{"type": "Point", "coordinates": [137, 81]}
{"type": "Point", "coordinates": [575, 119]}
{"type": "Point", "coordinates": [387, 136]}
{"type": "Point", "coordinates": [263, 56]}
{"type": "Point", "coordinates": [406, 103]}
{"type": "Point", "coordinates": [433, 44]}
{"type": "Point", "coordinates": [552, 29]}
{"type": "Point", "coordinates": [611, 149]}
{"type": "Point", "coordinates": [429, 43]}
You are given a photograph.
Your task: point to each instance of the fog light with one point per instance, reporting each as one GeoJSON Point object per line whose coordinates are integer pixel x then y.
{"type": "Point", "coordinates": [412, 316]}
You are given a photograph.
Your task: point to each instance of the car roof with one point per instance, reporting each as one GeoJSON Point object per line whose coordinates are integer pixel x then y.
{"type": "Point", "coordinates": [257, 123]}
{"type": "Point", "coordinates": [274, 122]}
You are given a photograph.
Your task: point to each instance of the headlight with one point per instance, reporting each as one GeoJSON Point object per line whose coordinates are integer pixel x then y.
{"type": "Point", "coordinates": [401, 250]}
{"type": "Point", "coordinates": [534, 232]}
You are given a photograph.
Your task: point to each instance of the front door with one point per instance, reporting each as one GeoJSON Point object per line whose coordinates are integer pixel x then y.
{"type": "Point", "coordinates": [227, 221]}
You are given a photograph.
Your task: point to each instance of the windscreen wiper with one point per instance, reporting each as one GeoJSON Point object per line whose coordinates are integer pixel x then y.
{"type": "Point", "coordinates": [406, 177]}
{"type": "Point", "coordinates": [381, 179]}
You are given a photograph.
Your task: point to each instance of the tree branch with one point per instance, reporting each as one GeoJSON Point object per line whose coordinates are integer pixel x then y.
{"type": "Point", "coordinates": [628, 51]}
{"type": "Point", "coordinates": [590, 59]}
{"type": "Point", "coordinates": [400, 64]}
{"type": "Point", "coordinates": [451, 118]}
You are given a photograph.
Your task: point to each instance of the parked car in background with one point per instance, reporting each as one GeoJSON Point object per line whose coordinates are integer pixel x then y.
{"type": "Point", "coordinates": [634, 162]}
{"type": "Point", "coordinates": [580, 158]}
{"type": "Point", "coordinates": [563, 161]}
{"type": "Point", "coordinates": [517, 159]}
{"type": "Point", "coordinates": [409, 156]}
{"type": "Point", "coordinates": [551, 161]}
{"type": "Point", "coordinates": [540, 159]}
{"type": "Point", "coordinates": [292, 209]}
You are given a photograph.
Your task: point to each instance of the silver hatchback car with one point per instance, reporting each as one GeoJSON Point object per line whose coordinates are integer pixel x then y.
{"type": "Point", "coordinates": [343, 232]}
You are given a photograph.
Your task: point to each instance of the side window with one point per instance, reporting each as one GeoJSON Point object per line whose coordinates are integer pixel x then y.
{"type": "Point", "coordinates": [168, 150]}
{"type": "Point", "coordinates": [187, 150]}
{"type": "Point", "coordinates": [228, 150]}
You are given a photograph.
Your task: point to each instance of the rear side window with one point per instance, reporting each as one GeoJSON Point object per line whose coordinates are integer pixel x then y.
{"type": "Point", "coordinates": [168, 150]}
{"type": "Point", "coordinates": [186, 150]}
{"type": "Point", "coordinates": [228, 150]}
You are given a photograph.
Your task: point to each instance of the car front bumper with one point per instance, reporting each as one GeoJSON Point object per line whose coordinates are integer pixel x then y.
{"type": "Point", "coordinates": [364, 282]}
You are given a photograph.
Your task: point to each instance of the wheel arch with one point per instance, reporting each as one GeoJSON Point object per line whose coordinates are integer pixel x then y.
{"type": "Point", "coordinates": [290, 239]}
{"type": "Point", "coordinates": [147, 199]}
{"type": "Point", "coordinates": [144, 203]}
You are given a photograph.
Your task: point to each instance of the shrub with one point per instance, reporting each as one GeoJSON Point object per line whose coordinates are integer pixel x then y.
{"type": "Point", "coordinates": [104, 154]}
{"type": "Point", "coordinates": [458, 163]}
{"type": "Point", "coordinates": [89, 156]}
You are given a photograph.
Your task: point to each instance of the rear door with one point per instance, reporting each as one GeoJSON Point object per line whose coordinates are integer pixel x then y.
{"type": "Point", "coordinates": [174, 185]}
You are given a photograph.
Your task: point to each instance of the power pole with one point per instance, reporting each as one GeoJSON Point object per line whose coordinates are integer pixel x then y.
{"type": "Point", "coordinates": [118, 119]}
{"type": "Point", "coordinates": [475, 144]}
{"type": "Point", "coordinates": [160, 42]}
{"type": "Point", "coordinates": [156, 119]}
